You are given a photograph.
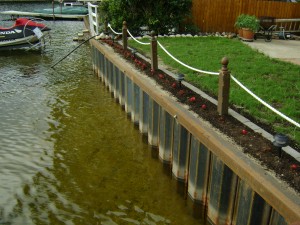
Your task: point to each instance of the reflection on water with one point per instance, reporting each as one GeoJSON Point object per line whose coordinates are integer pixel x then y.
{"type": "Point", "coordinates": [68, 153]}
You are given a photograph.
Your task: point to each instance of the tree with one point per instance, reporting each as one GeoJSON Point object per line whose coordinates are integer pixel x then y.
{"type": "Point", "coordinates": [157, 15]}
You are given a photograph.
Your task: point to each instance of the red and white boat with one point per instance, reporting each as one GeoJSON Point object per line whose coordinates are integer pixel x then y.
{"type": "Point", "coordinates": [26, 33]}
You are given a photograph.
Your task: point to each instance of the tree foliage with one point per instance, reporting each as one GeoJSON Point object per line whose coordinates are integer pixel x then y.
{"type": "Point", "coordinates": [157, 15]}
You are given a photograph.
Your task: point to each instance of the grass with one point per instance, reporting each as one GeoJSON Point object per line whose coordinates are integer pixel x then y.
{"type": "Point", "coordinates": [276, 82]}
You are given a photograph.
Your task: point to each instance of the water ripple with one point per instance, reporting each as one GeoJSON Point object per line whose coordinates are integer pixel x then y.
{"type": "Point", "coordinates": [67, 150]}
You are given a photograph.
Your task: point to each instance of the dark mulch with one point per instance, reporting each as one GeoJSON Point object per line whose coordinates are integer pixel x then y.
{"type": "Point", "coordinates": [285, 167]}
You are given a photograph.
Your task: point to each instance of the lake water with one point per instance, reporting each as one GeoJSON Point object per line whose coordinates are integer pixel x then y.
{"type": "Point", "coordinates": [68, 152]}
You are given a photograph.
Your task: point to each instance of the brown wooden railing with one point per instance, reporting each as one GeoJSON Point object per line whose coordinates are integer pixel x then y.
{"type": "Point", "coordinates": [289, 25]}
{"type": "Point", "coordinates": [220, 15]}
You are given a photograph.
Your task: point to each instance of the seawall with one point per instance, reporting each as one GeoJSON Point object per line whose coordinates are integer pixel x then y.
{"type": "Point", "coordinates": [230, 187]}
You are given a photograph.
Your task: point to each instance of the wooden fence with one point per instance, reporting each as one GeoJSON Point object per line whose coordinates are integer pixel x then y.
{"type": "Point", "coordinates": [220, 15]}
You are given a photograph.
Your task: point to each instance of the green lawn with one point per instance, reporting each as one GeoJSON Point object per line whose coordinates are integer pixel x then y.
{"type": "Point", "coordinates": [276, 82]}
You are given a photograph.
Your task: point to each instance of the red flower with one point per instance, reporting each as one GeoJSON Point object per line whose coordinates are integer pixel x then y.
{"type": "Point", "coordinates": [244, 132]}
{"type": "Point", "coordinates": [137, 62]}
{"type": "Point", "coordinates": [294, 166]}
{"type": "Point", "coordinates": [174, 85]}
{"type": "Point", "coordinates": [161, 76]}
{"type": "Point", "coordinates": [192, 99]}
{"type": "Point", "coordinates": [203, 106]}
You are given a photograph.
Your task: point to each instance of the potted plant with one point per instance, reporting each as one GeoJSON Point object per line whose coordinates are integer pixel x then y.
{"type": "Point", "coordinates": [250, 24]}
{"type": "Point", "coordinates": [239, 24]}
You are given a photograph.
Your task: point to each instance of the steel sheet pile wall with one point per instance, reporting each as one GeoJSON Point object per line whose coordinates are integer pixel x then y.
{"type": "Point", "coordinates": [220, 181]}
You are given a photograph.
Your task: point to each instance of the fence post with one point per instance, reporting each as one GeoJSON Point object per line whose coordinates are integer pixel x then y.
{"type": "Point", "coordinates": [105, 26]}
{"type": "Point", "coordinates": [154, 63]}
{"type": "Point", "coordinates": [224, 87]}
{"type": "Point", "coordinates": [124, 35]}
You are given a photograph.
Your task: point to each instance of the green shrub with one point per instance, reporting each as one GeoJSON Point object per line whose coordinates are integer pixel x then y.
{"type": "Point", "coordinates": [251, 22]}
{"type": "Point", "coordinates": [239, 21]}
{"type": "Point", "coordinates": [157, 15]}
{"type": "Point", "coordinates": [247, 21]}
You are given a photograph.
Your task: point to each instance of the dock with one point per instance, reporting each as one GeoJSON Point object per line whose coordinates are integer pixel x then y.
{"type": "Point", "coordinates": [13, 13]}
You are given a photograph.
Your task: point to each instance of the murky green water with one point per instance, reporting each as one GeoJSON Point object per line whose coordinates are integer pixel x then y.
{"type": "Point", "coordinates": [68, 152]}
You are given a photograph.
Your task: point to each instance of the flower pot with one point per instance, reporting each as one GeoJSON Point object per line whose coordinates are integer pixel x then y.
{"type": "Point", "coordinates": [248, 35]}
{"type": "Point", "coordinates": [240, 33]}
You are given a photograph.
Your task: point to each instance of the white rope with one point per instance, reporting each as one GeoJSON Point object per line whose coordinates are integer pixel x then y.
{"type": "Point", "coordinates": [215, 73]}
{"type": "Point", "coordinates": [240, 84]}
{"type": "Point", "coordinates": [264, 103]}
{"type": "Point", "coordinates": [192, 68]}
{"type": "Point", "coordinates": [142, 43]}
{"type": "Point", "coordinates": [113, 30]}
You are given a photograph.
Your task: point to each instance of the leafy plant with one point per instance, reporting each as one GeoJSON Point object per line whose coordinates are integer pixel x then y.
{"type": "Point", "coordinates": [247, 21]}
{"type": "Point", "coordinates": [239, 23]}
{"type": "Point", "coordinates": [158, 15]}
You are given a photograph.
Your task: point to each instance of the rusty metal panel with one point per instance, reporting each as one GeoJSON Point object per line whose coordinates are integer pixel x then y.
{"type": "Point", "coordinates": [221, 193]}
{"type": "Point", "coordinates": [153, 123]}
{"type": "Point", "coordinates": [144, 112]}
{"type": "Point", "coordinates": [113, 79]}
{"type": "Point", "coordinates": [97, 61]}
{"type": "Point", "coordinates": [116, 82]}
{"type": "Point", "coordinates": [250, 208]}
{"type": "Point", "coordinates": [180, 155]}
{"type": "Point", "coordinates": [244, 204]}
{"type": "Point", "coordinates": [165, 137]}
{"type": "Point", "coordinates": [261, 211]}
{"type": "Point", "coordinates": [198, 172]}
{"type": "Point", "coordinates": [94, 60]}
{"type": "Point", "coordinates": [122, 89]}
{"type": "Point", "coordinates": [135, 114]}
{"type": "Point", "coordinates": [101, 63]}
{"type": "Point", "coordinates": [277, 219]}
{"type": "Point", "coordinates": [128, 95]}
{"type": "Point", "coordinates": [110, 76]}
{"type": "Point", "coordinates": [105, 70]}
{"type": "Point", "coordinates": [96, 55]}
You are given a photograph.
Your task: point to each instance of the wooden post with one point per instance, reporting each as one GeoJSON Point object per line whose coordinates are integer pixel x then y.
{"type": "Point", "coordinates": [124, 35]}
{"type": "Point", "coordinates": [154, 62]}
{"type": "Point", "coordinates": [105, 26]}
{"type": "Point", "coordinates": [224, 87]}
{"type": "Point", "coordinates": [60, 3]}
{"type": "Point", "coordinates": [53, 10]}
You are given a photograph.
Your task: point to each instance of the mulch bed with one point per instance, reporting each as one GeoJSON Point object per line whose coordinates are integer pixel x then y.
{"type": "Point", "coordinates": [285, 167]}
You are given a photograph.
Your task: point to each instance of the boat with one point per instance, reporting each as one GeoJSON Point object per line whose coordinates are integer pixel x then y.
{"type": "Point", "coordinates": [73, 4]}
{"type": "Point", "coordinates": [64, 10]}
{"type": "Point", "coordinates": [26, 33]}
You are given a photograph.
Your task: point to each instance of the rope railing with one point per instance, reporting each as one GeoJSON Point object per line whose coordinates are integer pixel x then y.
{"type": "Point", "coordinates": [216, 73]}
{"type": "Point", "coordinates": [183, 64]}
{"type": "Point", "coordinates": [142, 43]}
{"type": "Point", "coordinates": [117, 33]}
{"type": "Point", "coordinates": [264, 103]}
